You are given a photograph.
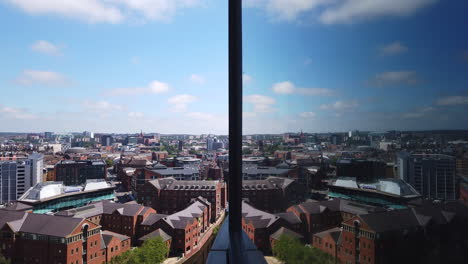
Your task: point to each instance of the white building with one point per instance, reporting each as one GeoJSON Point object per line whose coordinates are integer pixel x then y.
{"type": "Point", "coordinates": [18, 175]}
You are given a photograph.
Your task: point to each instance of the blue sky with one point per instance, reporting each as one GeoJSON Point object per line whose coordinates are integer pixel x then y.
{"type": "Point", "coordinates": [161, 65]}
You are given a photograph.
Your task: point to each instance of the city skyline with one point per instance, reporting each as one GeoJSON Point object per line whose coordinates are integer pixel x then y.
{"type": "Point", "coordinates": [320, 66]}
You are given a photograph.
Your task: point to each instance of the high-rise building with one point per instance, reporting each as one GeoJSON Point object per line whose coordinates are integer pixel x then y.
{"type": "Point", "coordinates": [432, 175]}
{"type": "Point", "coordinates": [181, 145]}
{"type": "Point", "coordinates": [17, 175]}
{"type": "Point", "coordinates": [107, 140]}
{"type": "Point", "coordinates": [49, 135]}
{"type": "Point", "coordinates": [209, 143]}
{"type": "Point", "coordinates": [88, 134]}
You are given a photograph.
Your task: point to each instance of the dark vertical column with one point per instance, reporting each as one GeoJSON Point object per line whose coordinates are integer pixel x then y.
{"type": "Point", "coordinates": [235, 115]}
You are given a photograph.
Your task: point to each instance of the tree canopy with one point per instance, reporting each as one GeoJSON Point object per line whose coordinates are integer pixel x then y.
{"type": "Point", "coordinates": [152, 251]}
{"type": "Point", "coordinates": [4, 260]}
{"type": "Point", "coordinates": [292, 251]}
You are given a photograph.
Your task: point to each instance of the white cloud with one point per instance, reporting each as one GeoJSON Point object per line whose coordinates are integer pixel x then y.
{"type": "Point", "coordinates": [288, 87]}
{"type": "Point", "coordinates": [181, 101]}
{"type": "Point", "coordinates": [283, 87]}
{"type": "Point", "coordinates": [393, 49]}
{"type": "Point", "coordinates": [200, 115]}
{"type": "Point", "coordinates": [452, 100]}
{"type": "Point", "coordinates": [308, 115]}
{"type": "Point", "coordinates": [262, 103]}
{"type": "Point", "coordinates": [91, 11]}
{"type": "Point", "coordinates": [46, 47]}
{"type": "Point", "coordinates": [338, 11]}
{"type": "Point", "coordinates": [197, 79]}
{"type": "Point", "coordinates": [99, 106]}
{"type": "Point", "coordinates": [248, 114]}
{"type": "Point", "coordinates": [135, 114]}
{"type": "Point", "coordinates": [351, 11]}
{"type": "Point", "coordinates": [34, 77]}
{"type": "Point", "coordinates": [246, 79]}
{"type": "Point", "coordinates": [396, 77]}
{"type": "Point", "coordinates": [340, 105]}
{"type": "Point", "coordinates": [106, 11]}
{"type": "Point", "coordinates": [286, 10]}
{"type": "Point", "coordinates": [418, 113]}
{"type": "Point", "coordinates": [15, 113]}
{"type": "Point", "coordinates": [154, 87]}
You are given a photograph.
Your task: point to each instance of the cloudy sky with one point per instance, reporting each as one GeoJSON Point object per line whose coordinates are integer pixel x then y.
{"type": "Point", "coordinates": [161, 65]}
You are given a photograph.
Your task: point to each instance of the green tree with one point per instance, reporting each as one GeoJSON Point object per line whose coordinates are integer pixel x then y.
{"type": "Point", "coordinates": [292, 251]}
{"type": "Point", "coordinates": [109, 163]}
{"type": "Point", "coordinates": [4, 260]}
{"type": "Point", "coordinates": [152, 251]}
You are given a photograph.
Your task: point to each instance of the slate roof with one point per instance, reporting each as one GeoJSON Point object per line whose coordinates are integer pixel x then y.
{"type": "Point", "coordinates": [123, 209]}
{"type": "Point", "coordinates": [51, 225]}
{"type": "Point", "coordinates": [170, 183]}
{"type": "Point", "coordinates": [317, 207]}
{"type": "Point", "coordinates": [258, 218]}
{"type": "Point", "coordinates": [290, 217]}
{"type": "Point", "coordinates": [264, 170]}
{"type": "Point", "coordinates": [169, 171]}
{"type": "Point", "coordinates": [18, 206]}
{"type": "Point", "coordinates": [393, 220]}
{"type": "Point", "coordinates": [284, 231]}
{"type": "Point", "coordinates": [84, 211]}
{"type": "Point", "coordinates": [335, 233]}
{"type": "Point", "coordinates": [152, 218]}
{"type": "Point", "coordinates": [269, 183]}
{"type": "Point", "coordinates": [108, 235]}
{"type": "Point", "coordinates": [180, 219]}
{"type": "Point", "coordinates": [158, 232]}
{"type": "Point", "coordinates": [13, 218]}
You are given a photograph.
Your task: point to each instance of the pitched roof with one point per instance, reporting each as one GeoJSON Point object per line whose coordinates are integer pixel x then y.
{"type": "Point", "coordinates": [13, 218]}
{"type": "Point", "coordinates": [152, 218]}
{"type": "Point", "coordinates": [269, 183]}
{"type": "Point", "coordinates": [392, 220]}
{"type": "Point", "coordinates": [170, 183]}
{"type": "Point", "coordinates": [290, 217]}
{"type": "Point", "coordinates": [180, 219]}
{"type": "Point", "coordinates": [123, 209]}
{"type": "Point", "coordinates": [335, 233]}
{"type": "Point", "coordinates": [59, 226]}
{"type": "Point", "coordinates": [258, 218]}
{"type": "Point", "coordinates": [284, 231]}
{"type": "Point", "coordinates": [108, 235]}
{"type": "Point", "coordinates": [84, 211]}
{"type": "Point", "coordinates": [158, 232]}
{"type": "Point", "coordinates": [317, 207]}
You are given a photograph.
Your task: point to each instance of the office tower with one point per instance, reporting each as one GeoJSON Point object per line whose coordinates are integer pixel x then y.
{"type": "Point", "coordinates": [49, 135]}
{"type": "Point", "coordinates": [17, 175]}
{"type": "Point", "coordinates": [181, 145]}
{"type": "Point", "coordinates": [209, 143]}
{"type": "Point", "coordinates": [107, 140]}
{"type": "Point", "coordinates": [432, 175]}
{"type": "Point", "coordinates": [72, 172]}
{"type": "Point", "coordinates": [88, 134]}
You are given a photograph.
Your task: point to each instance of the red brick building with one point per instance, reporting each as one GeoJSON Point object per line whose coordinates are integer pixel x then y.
{"type": "Point", "coordinates": [274, 194]}
{"type": "Point", "coordinates": [394, 236]}
{"type": "Point", "coordinates": [38, 238]}
{"type": "Point", "coordinates": [123, 219]}
{"type": "Point", "coordinates": [115, 244]}
{"type": "Point", "coordinates": [183, 228]}
{"type": "Point", "coordinates": [169, 195]}
{"type": "Point", "coordinates": [318, 216]}
{"type": "Point", "coordinates": [260, 225]}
